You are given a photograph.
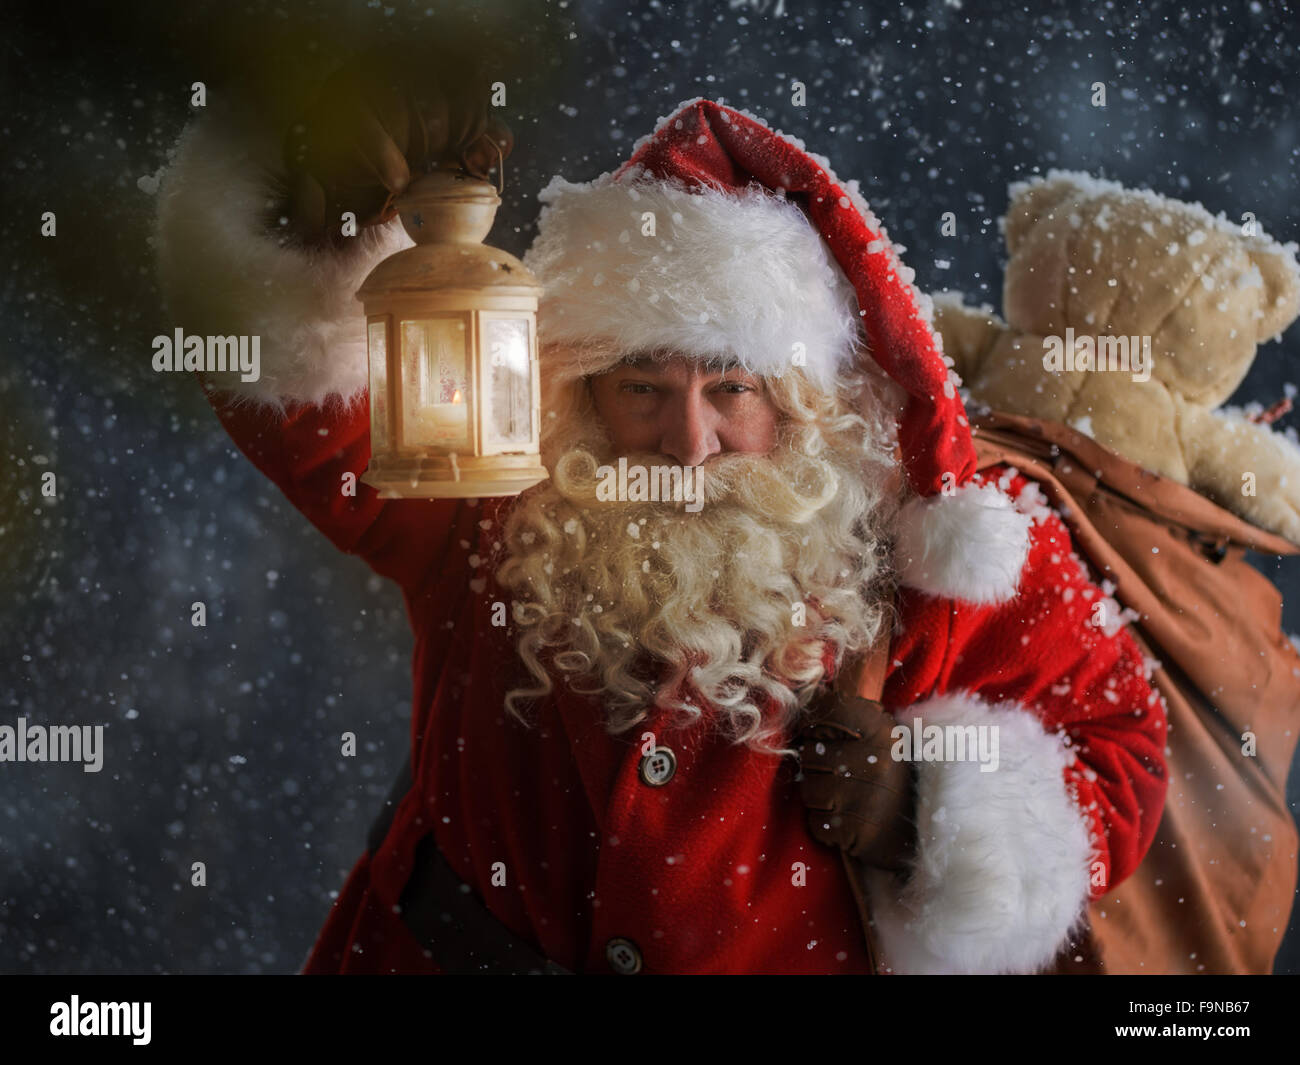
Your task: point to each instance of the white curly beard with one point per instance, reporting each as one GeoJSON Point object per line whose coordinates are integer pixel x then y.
{"type": "Point", "coordinates": [731, 607]}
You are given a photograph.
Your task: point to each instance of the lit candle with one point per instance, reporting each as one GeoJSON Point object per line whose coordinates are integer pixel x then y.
{"type": "Point", "coordinates": [444, 424]}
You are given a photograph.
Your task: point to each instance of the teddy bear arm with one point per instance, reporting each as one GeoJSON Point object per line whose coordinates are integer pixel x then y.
{"type": "Point", "coordinates": [969, 333]}
{"type": "Point", "coordinates": [1243, 466]}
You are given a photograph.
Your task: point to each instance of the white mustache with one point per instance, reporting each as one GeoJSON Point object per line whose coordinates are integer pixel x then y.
{"type": "Point", "coordinates": [746, 480]}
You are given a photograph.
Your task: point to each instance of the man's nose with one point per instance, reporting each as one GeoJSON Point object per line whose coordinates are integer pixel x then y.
{"type": "Point", "coordinates": [689, 435]}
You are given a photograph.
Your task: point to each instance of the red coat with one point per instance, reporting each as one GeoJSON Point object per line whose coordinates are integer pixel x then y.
{"type": "Point", "coordinates": [700, 873]}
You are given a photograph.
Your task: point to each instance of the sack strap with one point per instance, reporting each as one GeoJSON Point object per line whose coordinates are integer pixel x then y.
{"type": "Point", "coordinates": [865, 677]}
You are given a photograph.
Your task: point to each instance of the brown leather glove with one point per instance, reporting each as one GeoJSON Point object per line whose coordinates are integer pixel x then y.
{"type": "Point", "coordinates": [383, 119]}
{"type": "Point", "coordinates": [857, 796]}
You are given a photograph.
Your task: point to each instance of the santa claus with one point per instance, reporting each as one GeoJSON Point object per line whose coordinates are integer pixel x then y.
{"type": "Point", "coordinates": [612, 781]}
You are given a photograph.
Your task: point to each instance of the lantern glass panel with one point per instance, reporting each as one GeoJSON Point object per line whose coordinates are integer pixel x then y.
{"type": "Point", "coordinates": [509, 384]}
{"type": "Point", "coordinates": [436, 396]}
{"type": "Point", "coordinates": [378, 335]}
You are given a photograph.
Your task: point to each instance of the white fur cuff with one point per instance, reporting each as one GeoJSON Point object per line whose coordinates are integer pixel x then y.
{"type": "Point", "coordinates": [1001, 875]}
{"type": "Point", "coordinates": [970, 545]}
{"type": "Point", "coordinates": [224, 273]}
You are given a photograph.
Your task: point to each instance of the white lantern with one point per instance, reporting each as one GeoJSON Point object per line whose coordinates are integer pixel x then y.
{"type": "Point", "coordinates": [455, 397]}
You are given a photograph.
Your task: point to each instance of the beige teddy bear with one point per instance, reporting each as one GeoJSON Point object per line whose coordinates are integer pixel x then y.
{"type": "Point", "coordinates": [1131, 317]}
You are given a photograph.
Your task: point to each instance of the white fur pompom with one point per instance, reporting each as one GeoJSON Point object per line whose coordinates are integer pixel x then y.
{"type": "Point", "coordinates": [970, 545]}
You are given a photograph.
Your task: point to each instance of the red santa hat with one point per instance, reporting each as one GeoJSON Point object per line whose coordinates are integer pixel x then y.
{"type": "Point", "coordinates": [722, 239]}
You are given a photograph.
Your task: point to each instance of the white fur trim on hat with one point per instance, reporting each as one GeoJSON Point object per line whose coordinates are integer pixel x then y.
{"type": "Point", "coordinates": [970, 545]}
{"type": "Point", "coordinates": [1000, 881]}
{"type": "Point", "coordinates": [224, 272]}
{"type": "Point", "coordinates": [723, 275]}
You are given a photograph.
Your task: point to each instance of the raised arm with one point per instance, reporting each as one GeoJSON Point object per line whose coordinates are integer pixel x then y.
{"type": "Point", "coordinates": [251, 244]}
{"type": "Point", "coordinates": [228, 269]}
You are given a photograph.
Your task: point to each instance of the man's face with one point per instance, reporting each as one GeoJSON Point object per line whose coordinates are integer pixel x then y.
{"type": "Point", "coordinates": [673, 407]}
{"type": "Point", "coordinates": [641, 599]}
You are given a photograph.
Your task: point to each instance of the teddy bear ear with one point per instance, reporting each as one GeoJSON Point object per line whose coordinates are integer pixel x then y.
{"type": "Point", "coordinates": [1030, 202]}
{"type": "Point", "coordinates": [1279, 302]}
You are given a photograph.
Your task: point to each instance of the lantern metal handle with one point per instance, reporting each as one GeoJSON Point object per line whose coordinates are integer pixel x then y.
{"type": "Point", "coordinates": [501, 164]}
{"type": "Point", "coordinates": [501, 167]}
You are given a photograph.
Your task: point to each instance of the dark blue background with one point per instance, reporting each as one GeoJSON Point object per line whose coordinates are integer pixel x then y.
{"type": "Point", "coordinates": [222, 742]}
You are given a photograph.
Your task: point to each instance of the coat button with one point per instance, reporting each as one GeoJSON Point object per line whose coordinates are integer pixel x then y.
{"type": "Point", "coordinates": [658, 767]}
{"type": "Point", "coordinates": [623, 956]}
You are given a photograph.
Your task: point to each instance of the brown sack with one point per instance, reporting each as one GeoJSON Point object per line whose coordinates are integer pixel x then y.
{"type": "Point", "coordinates": [1214, 893]}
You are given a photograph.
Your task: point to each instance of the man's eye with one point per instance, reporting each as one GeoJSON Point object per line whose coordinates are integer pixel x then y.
{"type": "Point", "coordinates": [734, 387]}
{"type": "Point", "coordinates": [637, 388]}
